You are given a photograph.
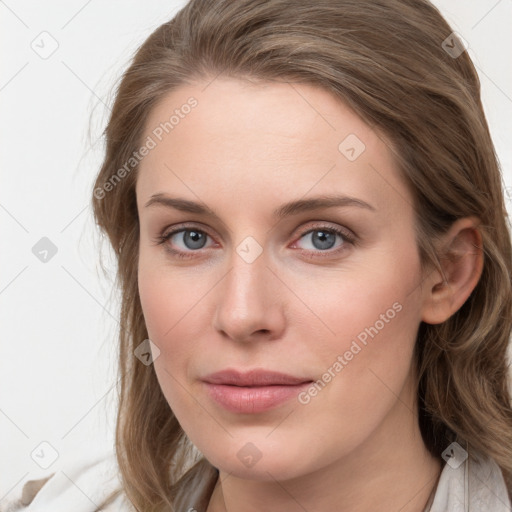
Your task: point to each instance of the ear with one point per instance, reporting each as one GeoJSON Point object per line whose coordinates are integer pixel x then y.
{"type": "Point", "coordinates": [461, 258]}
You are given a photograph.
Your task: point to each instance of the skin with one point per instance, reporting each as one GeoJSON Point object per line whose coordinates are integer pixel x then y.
{"type": "Point", "coordinates": [244, 150]}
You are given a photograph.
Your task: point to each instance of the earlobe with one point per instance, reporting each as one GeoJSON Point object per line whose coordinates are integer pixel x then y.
{"type": "Point", "coordinates": [461, 258]}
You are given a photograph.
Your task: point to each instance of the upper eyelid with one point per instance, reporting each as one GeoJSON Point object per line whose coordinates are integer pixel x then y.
{"type": "Point", "coordinates": [199, 227]}
{"type": "Point", "coordinates": [178, 229]}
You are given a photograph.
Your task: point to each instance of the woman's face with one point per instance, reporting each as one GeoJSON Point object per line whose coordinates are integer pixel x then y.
{"type": "Point", "coordinates": [293, 252]}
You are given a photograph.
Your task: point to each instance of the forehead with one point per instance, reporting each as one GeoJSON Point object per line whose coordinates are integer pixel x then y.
{"type": "Point", "coordinates": [236, 137]}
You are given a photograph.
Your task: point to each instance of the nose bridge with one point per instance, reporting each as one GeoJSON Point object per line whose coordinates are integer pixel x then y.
{"type": "Point", "coordinates": [245, 283]}
{"type": "Point", "coordinates": [248, 267]}
{"type": "Point", "coordinates": [247, 299]}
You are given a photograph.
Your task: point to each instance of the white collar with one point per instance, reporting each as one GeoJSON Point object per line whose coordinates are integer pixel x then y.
{"type": "Point", "coordinates": [474, 485]}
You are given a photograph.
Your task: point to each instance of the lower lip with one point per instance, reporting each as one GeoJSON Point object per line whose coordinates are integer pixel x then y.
{"type": "Point", "coordinates": [244, 400]}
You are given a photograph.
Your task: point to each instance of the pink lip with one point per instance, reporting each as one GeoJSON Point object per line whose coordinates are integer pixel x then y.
{"type": "Point", "coordinates": [254, 391]}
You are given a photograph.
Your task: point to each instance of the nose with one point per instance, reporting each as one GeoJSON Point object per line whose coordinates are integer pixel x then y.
{"type": "Point", "coordinates": [250, 302]}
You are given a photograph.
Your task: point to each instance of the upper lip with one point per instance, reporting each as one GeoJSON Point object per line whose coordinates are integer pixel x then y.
{"type": "Point", "coordinates": [256, 377]}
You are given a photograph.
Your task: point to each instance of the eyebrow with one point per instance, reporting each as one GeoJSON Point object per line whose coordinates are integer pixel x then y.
{"type": "Point", "coordinates": [285, 210]}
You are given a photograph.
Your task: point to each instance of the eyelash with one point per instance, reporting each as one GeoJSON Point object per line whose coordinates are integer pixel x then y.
{"type": "Point", "coordinates": [347, 236]}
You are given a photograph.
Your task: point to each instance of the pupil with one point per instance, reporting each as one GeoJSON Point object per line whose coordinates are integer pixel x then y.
{"type": "Point", "coordinates": [323, 239]}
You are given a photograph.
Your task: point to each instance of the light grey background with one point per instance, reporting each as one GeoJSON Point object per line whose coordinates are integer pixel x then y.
{"type": "Point", "coordinates": [59, 318]}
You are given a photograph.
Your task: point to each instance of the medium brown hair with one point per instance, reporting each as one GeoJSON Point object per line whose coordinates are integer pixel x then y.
{"type": "Point", "coordinates": [386, 60]}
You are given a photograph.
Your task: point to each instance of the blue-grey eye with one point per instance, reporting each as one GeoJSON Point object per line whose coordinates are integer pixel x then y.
{"type": "Point", "coordinates": [192, 239]}
{"type": "Point", "coordinates": [321, 239]}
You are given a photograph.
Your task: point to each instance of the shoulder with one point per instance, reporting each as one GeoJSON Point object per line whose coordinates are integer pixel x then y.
{"type": "Point", "coordinates": [475, 483]}
{"type": "Point", "coordinates": [81, 486]}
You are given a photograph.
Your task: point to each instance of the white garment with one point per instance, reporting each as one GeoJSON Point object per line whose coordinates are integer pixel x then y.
{"type": "Point", "coordinates": [474, 486]}
{"type": "Point", "coordinates": [78, 487]}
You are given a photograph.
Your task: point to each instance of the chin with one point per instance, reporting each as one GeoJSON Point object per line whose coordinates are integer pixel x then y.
{"type": "Point", "coordinates": [260, 460]}
{"type": "Point", "coordinates": [268, 470]}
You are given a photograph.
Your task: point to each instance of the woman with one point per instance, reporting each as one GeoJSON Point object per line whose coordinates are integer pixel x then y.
{"type": "Point", "coordinates": [315, 262]}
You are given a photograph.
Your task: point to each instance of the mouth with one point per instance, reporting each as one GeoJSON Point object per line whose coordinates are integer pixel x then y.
{"type": "Point", "coordinates": [253, 392]}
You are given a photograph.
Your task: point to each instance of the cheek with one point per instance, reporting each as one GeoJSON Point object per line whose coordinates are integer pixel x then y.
{"type": "Point", "coordinates": [173, 305]}
{"type": "Point", "coordinates": [165, 305]}
{"type": "Point", "coordinates": [366, 329]}
{"type": "Point", "coordinates": [370, 303]}
{"type": "Point", "coordinates": [156, 302]}
{"type": "Point", "coordinates": [165, 299]}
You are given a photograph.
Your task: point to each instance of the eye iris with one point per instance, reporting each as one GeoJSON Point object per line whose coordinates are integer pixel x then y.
{"type": "Point", "coordinates": [194, 239]}
{"type": "Point", "coordinates": [323, 239]}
